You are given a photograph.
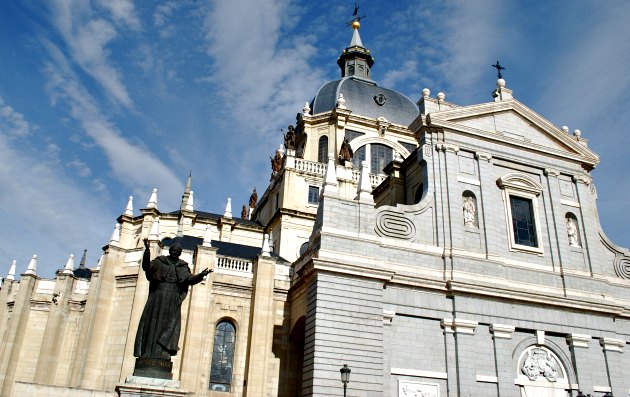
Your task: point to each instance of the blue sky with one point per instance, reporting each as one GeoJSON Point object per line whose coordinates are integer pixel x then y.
{"type": "Point", "coordinates": [104, 99]}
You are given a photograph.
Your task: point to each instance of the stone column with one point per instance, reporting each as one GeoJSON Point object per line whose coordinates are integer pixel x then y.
{"type": "Point", "coordinates": [502, 335]}
{"type": "Point", "coordinates": [261, 322]}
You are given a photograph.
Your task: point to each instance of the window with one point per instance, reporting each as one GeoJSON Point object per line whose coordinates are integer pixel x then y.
{"type": "Point", "coordinates": [380, 156]}
{"type": "Point", "coordinates": [523, 221]}
{"type": "Point", "coordinates": [520, 195]}
{"type": "Point", "coordinates": [352, 134]}
{"type": "Point", "coordinates": [322, 153]}
{"type": "Point", "coordinates": [222, 357]}
{"type": "Point", "coordinates": [313, 195]}
{"type": "Point", "coordinates": [359, 156]}
{"type": "Point", "coordinates": [409, 146]}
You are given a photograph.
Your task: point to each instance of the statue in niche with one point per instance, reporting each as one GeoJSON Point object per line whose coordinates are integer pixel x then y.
{"type": "Point", "coordinates": [276, 162]}
{"type": "Point", "coordinates": [572, 232]}
{"type": "Point", "coordinates": [540, 362]}
{"type": "Point", "coordinates": [158, 332]}
{"type": "Point", "coordinates": [289, 138]}
{"type": "Point", "coordinates": [469, 211]}
{"type": "Point", "coordinates": [345, 153]}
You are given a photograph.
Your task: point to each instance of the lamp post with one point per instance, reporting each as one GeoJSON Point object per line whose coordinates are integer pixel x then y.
{"type": "Point", "coordinates": [345, 377]}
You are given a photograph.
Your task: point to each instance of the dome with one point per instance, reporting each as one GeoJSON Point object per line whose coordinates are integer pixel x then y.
{"type": "Point", "coordinates": [366, 98]}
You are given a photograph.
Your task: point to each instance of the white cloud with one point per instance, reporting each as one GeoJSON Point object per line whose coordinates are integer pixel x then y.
{"type": "Point", "coordinates": [123, 12]}
{"type": "Point", "coordinates": [12, 122]}
{"type": "Point", "coordinates": [132, 164]}
{"type": "Point", "coordinates": [87, 37]}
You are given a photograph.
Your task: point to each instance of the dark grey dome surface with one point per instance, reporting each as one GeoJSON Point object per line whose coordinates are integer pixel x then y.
{"type": "Point", "coordinates": [359, 95]}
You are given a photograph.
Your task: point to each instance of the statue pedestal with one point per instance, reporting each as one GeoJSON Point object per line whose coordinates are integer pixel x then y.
{"type": "Point", "coordinates": [138, 386]}
{"type": "Point", "coordinates": [153, 368]}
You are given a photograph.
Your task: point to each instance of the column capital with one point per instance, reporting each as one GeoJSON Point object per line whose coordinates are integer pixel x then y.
{"type": "Point", "coordinates": [551, 172]}
{"type": "Point", "coordinates": [459, 326]}
{"type": "Point", "coordinates": [483, 156]}
{"type": "Point", "coordinates": [612, 344]}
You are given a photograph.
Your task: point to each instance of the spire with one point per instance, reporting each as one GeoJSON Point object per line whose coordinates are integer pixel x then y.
{"type": "Point", "coordinates": [32, 266]}
{"type": "Point", "coordinates": [82, 271]}
{"type": "Point", "coordinates": [11, 275]}
{"type": "Point", "coordinates": [228, 209]}
{"type": "Point", "coordinates": [69, 265]}
{"type": "Point", "coordinates": [355, 60]}
{"type": "Point", "coordinates": [83, 259]}
{"type": "Point", "coordinates": [190, 204]}
{"type": "Point", "coordinates": [187, 193]}
{"type": "Point", "coordinates": [115, 239]}
{"type": "Point", "coordinates": [153, 199]}
{"type": "Point", "coordinates": [129, 209]}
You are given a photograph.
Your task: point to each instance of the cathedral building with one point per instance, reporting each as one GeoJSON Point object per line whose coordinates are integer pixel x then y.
{"type": "Point", "coordinates": [435, 249]}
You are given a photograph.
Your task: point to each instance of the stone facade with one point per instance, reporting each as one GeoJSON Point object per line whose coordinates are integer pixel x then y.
{"type": "Point", "coordinates": [459, 253]}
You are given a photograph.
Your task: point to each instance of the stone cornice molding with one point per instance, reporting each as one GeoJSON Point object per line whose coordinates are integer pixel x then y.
{"type": "Point", "coordinates": [578, 340]}
{"type": "Point", "coordinates": [459, 325]}
{"type": "Point", "coordinates": [612, 344]}
{"type": "Point", "coordinates": [446, 147]}
{"type": "Point", "coordinates": [502, 331]}
{"type": "Point", "coordinates": [448, 119]}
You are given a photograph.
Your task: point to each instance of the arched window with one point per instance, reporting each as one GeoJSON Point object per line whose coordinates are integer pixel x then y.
{"type": "Point", "coordinates": [380, 156]}
{"type": "Point", "coordinates": [322, 153]}
{"type": "Point", "coordinates": [222, 357]}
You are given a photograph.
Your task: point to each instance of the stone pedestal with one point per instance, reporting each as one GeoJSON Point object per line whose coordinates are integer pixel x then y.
{"type": "Point", "coordinates": [138, 386]}
{"type": "Point", "coordinates": [153, 368]}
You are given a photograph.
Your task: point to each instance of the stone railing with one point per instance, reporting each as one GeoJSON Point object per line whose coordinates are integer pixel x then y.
{"type": "Point", "coordinates": [310, 167]}
{"type": "Point", "coordinates": [375, 179]}
{"type": "Point", "coordinates": [234, 264]}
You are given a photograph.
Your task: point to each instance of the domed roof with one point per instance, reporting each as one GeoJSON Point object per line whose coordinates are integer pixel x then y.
{"type": "Point", "coordinates": [365, 98]}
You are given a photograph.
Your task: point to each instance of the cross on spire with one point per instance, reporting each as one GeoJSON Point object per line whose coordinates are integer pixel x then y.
{"type": "Point", "coordinates": [499, 68]}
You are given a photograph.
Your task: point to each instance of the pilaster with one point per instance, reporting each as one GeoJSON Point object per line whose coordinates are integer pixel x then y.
{"type": "Point", "coordinates": [579, 346]}
{"type": "Point", "coordinates": [10, 354]}
{"type": "Point", "coordinates": [261, 322]}
{"type": "Point", "coordinates": [490, 196]}
{"type": "Point", "coordinates": [617, 372]}
{"type": "Point", "coordinates": [503, 347]}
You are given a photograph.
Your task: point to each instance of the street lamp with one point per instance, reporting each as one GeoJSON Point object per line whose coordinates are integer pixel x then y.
{"type": "Point", "coordinates": [345, 377]}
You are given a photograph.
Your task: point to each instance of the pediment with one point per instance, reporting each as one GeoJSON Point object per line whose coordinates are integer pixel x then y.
{"type": "Point", "coordinates": [513, 123]}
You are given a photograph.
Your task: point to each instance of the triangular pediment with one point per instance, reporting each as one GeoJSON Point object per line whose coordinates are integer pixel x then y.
{"type": "Point", "coordinates": [516, 124]}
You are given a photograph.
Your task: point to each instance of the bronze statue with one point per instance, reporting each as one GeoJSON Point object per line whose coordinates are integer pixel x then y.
{"type": "Point", "coordinates": [289, 138]}
{"type": "Point", "coordinates": [169, 278]}
{"type": "Point", "coordinates": [244, 212]}
{"type": "Point", "coordinates": [345, 153]}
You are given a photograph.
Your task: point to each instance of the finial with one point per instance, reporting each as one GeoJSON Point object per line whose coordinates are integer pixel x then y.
{"type": "Point", "coordinates": [426, 93]}
{"type": "Point", "coordinates": [83, 259]}
{"type": "Point", "coordinates": [341, 102]}
{"type": "Point", "coordinates": [115, 239]}
{"type": "Point", "coordinates": [577, 133]}
{"type": "Point", "coordinates": [153, 199]}
{"type": "Point", "coordinates": [499, 68]}
{"type": "Point", "coordinates": [207, 237]}
{"type": "Point", "coordinates": [441, 96]}
{"type": "Point", "coordinates": [129, 209]}
{"type": "Point", "coordinates": [69, 265]}
{"type": "Point", "coordinates": [354, 22]}
{"type": "Point", "coordinates": [565, 129]}
{"type": "Point", "coordinates": [306, 110]}
{"type": "Point", "coordinates": [281, 149]}
{"type": "Point", "coordinates": [190, 204]}
{"type": "Point", "coordinates": [228, 209]}
{"type": "Point", "coordinates": [154, 234]}
{"type": "Point", "coordinates": [32, 266]}
{"type": "Point", "coordinates": [11, 274]}
{"type": "Point", "coordinates": [265, 246]}
{"type": "Point", "coordinates": [364, 189]}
